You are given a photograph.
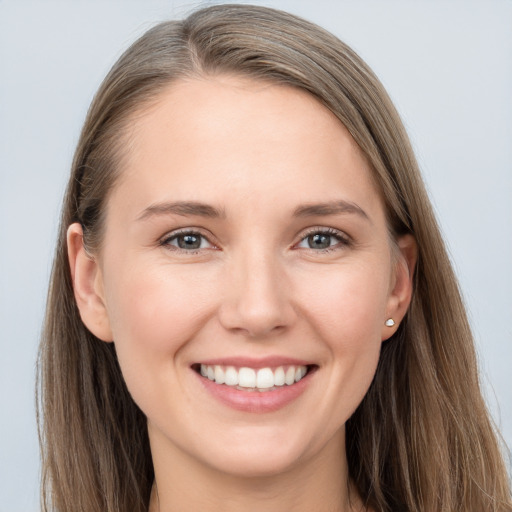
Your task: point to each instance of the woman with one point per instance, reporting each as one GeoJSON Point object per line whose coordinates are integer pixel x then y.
{"type": "Point", "coordinates": [259, 311]}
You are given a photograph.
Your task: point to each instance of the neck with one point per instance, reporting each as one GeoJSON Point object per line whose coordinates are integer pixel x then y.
{"type": "Point", "coordinates": [320, 484]}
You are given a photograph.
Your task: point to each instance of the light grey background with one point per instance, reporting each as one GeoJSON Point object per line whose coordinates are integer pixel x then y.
{"type": "Point", "coordinates": [447, 65]}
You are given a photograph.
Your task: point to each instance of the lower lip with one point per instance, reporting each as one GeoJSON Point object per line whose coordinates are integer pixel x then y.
{"type": "Point", "coordinates": [256, 401]}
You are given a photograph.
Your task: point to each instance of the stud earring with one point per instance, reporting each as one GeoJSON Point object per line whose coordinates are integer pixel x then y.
{"type": "Point", "coordinates": [390, 322]}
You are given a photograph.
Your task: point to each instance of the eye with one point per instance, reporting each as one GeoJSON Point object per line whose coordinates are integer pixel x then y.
{"type": "Point", "coordinates": [323, 240]}
{"type": "Point", "coordinates": [187, 241]}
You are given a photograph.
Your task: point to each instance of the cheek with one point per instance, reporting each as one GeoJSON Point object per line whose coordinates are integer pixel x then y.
{"type": "Point", "coordinates": [153, 314]}
{"type": "Point", "coordinates": [346, 309]}
{"type": "Point", "coordinates": [347, 304]}
{"type": "Point", "coordinates": [145, 303]}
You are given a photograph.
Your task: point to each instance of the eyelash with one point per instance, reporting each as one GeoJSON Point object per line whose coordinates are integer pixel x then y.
{"type": "Point", "coordinates": [166, 241]}
{"type": "Point", "coordinates": [342, 240]}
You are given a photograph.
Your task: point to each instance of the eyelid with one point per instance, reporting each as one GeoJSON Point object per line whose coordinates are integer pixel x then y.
{"type": "Point", "coordinates": [164, 240]}
{"type": "Point", "coordinates": [344, 239]}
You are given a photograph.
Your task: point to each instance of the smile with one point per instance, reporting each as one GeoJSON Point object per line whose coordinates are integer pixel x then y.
{"type": "Point", "coordinates": [255, 386]}
{"type": "Point", "coordinates": [254, 379]}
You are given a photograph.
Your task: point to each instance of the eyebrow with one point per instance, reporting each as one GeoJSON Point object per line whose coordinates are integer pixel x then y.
{"type": "Point", "coordinates": [182, 208]}
{"type": "Point", "coordinates": [199, 209]}
{"type": "Point", "coordinates": [330, 208]}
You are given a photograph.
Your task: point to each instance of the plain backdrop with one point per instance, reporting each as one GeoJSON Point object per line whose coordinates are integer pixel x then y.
{"type": "Point", "coordinates": [446, 64]}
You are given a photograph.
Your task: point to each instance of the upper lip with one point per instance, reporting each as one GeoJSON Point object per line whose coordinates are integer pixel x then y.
{"type": "Point", "coordinates": [251, 362]}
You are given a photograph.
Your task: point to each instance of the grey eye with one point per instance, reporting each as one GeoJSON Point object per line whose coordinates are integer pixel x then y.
{"type": "Point", "coordinates": [323, 239]}
{"type": "Point", "coordinates": [319, 241]}
{"type": "Point", "coordinates": [190, 241]}
{"type": "Point", "coordinates": [187, 242]}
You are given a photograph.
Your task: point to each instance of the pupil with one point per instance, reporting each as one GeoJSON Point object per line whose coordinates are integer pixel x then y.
{"type": "Point", "coordinates": [319, 241]}
{"type": "Point", "coordinates": [189, 242]}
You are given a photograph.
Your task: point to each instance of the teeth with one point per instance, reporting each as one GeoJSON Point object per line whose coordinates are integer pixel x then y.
{"type": "Point", "coordinates": [247, 378]}
{"type": "Point", "coordinates": [279, 377]}
{"type": "Point", "coordinates": [289, 378]}
{"type": "Point", "coordinates": [263, 379]}
{"type": "Point", "coordinates": [231, 376]}
{"type": "Point", "coordinates": [299, 373]}
{"type": "Point", "coordinates": [219, 375]}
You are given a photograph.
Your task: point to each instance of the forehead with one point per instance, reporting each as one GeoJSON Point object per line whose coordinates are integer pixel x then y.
{"type": "Point", "coordinates": [214, 139]}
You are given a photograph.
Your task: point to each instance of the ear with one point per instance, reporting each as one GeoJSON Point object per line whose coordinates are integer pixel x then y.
{"type": "Point", "coordinates": [87, 285]}
{"type": "Point", "coordinates": [402, 285]}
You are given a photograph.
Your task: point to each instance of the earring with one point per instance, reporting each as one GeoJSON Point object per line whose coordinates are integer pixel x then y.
{"type": "Point", "coordinates": [390, 322]}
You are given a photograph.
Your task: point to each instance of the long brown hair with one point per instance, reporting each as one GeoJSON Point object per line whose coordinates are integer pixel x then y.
{"type": "Point", "coordinates": [421, 440]}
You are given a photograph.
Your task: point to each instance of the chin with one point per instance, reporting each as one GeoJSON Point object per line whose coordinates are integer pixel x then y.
{"type": "Point", "coordinates": [257, 463]}
{"type": "Point", "coordinates": [258, 454]}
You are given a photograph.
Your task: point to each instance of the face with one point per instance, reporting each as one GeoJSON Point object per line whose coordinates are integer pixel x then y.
{"type": "Point", "coordinates": [245, 276]}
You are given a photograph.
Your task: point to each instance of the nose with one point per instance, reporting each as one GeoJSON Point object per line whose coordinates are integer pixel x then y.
{"type": "Point", "coordinates": [256, 299]}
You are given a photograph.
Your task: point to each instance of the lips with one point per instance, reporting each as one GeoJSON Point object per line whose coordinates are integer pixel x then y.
{"type": "Point", "coordinates": [263, 385]}
{"type": "Point", "coordinates": [246, 378]}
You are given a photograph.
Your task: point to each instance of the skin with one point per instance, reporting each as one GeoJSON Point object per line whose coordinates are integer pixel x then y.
{"type": "Point", "coordinates": [256, 152]}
